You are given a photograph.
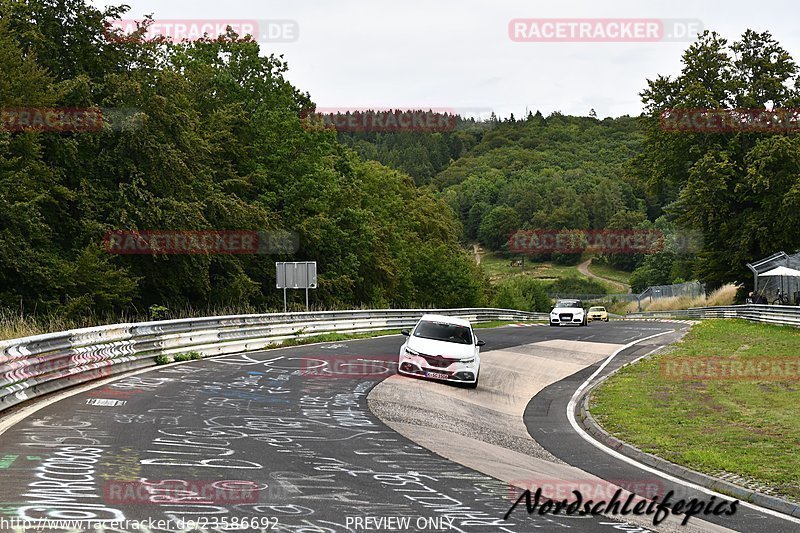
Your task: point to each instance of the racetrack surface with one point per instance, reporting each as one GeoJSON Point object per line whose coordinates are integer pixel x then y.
{"type": "Point", "coordinates": [274, 437]}
{"type": "Point", "coordinates": [547, 422]}
{"type": "Point", "coordinates": [485, 429]}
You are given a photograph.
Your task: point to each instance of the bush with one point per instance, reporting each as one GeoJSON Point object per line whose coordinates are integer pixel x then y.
{"type": "Point", "coordinates": [566, 259]}
{"type": "Point", "coordinates": [163, 359]}
{"type": "Point", "coordinates": [575, 285]}
{"type": "Point", "coordinates": [158, 312]}
{"type": "Point", "coordinates": [183, 357]}
{"type": "Point", "coordinates": [523, 294]}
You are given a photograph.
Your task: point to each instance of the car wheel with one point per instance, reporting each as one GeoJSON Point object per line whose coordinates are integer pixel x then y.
{"type": "Point", "coordinates": [553, 325]}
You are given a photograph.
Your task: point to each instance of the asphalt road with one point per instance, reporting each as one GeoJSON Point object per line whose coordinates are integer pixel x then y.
{"type": "Point", "coordinates": [272, 441]}
{"type": "Point", "coordinates": [546, 419]}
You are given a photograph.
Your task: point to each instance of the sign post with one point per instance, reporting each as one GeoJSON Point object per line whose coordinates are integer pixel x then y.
{"type": "Point", "coordinates": [296, 275]}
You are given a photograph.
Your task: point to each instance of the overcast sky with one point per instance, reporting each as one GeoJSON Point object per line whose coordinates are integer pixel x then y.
{"type": "Point", "coordinates": [457, 54]}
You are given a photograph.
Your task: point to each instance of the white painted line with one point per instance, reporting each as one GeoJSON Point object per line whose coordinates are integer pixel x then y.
{"type": "Point", "coordinates": [624, 458]}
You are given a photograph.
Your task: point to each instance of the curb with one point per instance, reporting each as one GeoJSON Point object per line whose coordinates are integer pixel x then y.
{"type": "Point", "coordinates": [595, 430]}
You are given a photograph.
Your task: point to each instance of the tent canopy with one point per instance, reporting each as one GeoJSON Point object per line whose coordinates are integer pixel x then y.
{"type": "Point", "coordinates": [782, 271]}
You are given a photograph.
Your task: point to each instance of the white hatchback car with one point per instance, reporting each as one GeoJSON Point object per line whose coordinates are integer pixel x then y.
{"type": "Point", "coordinates": [443, 348]}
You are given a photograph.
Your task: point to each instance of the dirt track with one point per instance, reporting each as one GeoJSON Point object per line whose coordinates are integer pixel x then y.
{"type": "Point", "coordinates": [583, 268]}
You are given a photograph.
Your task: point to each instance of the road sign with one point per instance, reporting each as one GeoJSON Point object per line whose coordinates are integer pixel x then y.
{"type": "Point", "coordinates": [296, 275]}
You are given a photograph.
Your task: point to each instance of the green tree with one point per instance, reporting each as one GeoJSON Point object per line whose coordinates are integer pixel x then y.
{"type": "Point", "coordinates": [211, 138]}
{"type": "Point", "coordinates": [497, 226]}
{"type": "Point", "coordinates": [739, 189]}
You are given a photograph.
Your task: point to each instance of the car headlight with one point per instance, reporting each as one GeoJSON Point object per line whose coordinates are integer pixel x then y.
{"type": "Point", "coordinates": [409, 351]}
{"type": "Point", "coordinates": [468, 361]}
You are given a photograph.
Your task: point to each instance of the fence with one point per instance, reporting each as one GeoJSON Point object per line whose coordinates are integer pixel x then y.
{"type": "Point", "coordinates": [41, 364]}
{"type": "Point", "coordinates": [692, 289]}
{"type": "Point", "coordinates": [771, 314]}
{"type": "Point", "coordinates": [597, 298]}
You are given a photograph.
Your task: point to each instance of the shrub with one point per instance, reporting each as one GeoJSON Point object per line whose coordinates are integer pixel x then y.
{"type": "Point", "coordinates": [575, 285]}
{"type": "Point", "coordinates": [158, 312]}
{"type": "Point", "coordinates": [163, 359]}
{"type": "Point", "coordinates": [523, 294]}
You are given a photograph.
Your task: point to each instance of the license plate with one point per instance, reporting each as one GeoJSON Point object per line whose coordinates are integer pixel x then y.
{"type": "Point", "coordinates": [436, 375]}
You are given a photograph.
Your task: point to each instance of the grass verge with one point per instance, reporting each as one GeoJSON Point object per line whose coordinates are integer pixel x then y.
{"type": "Point", "coordinates": [325, 337]}
{"type": "Point", "coordinates": [746, 426]}
{"type": "Point", "coordinates": [725, 295]}
{"type": "Point", "coordinates": [499, 268]}
{"type": "Point", "coordinates": [335, 337]}
{"type": "Point", "coordinates": [609, 272]}
{"type": "Point", "coordinates": [499, 323]}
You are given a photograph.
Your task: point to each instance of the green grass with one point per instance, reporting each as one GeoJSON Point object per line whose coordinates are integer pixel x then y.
{"type": "Point", "coordinates": [748, 427]}
{"type": "Point", "coordinates": [499, 323]}
{"type": "Point", "coordinates": [335, 337]}
{"type": "Point", "coordinates": [609, 272]}
{"type": "Point", "coordinates": [499, 268]}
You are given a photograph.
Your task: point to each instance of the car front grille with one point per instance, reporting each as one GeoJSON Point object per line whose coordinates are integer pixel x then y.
{"type": "Point", "coordinates": [565, 317]}
{"type": "Point", "coordinates": [437, 361]}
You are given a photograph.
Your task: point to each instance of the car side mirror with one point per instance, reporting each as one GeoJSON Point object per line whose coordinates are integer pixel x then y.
{"type": "Point", "coordinates": [405, 332]}
{"type": "Point", "coordinates": [480, 343]}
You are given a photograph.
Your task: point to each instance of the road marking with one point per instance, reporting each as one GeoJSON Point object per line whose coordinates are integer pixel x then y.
{"type": "Point", "coordinates": [624, 458]}
{"type": "Point", "coordinates": [103, 402]}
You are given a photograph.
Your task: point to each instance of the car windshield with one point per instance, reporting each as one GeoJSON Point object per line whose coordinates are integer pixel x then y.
{"type": "Point", "coordinates": [567, 303]}
{"type": "Point", "coordinates": [598, 309]}
{"type": "Point", "coordinates": [441, 331]}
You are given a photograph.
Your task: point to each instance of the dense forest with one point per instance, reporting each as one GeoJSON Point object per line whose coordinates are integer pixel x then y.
{"type": "Point", "coordinates": [209, 135]}
{"type": "Point", "coordinates": [556, 172]}
{"type": "Point", "coordinates": [215, 141]}
{"type": "Point", "coordinates": [720, 197]}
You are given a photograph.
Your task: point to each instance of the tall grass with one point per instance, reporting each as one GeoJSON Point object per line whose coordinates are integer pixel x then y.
{"type": "Point", "coordinates": [14, 324]}
{"type": "Point", "coordinates": [725, 295]}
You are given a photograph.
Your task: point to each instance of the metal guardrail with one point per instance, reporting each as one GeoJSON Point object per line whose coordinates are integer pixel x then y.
{"type": "Point", "coordinates": [40, 364]}
{"type": "Point", "coordinates": [771, 314]}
